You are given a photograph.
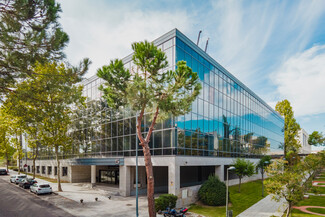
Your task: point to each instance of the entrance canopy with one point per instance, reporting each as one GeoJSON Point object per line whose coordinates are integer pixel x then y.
{"type": "Point", "coordinates": [98, 161]}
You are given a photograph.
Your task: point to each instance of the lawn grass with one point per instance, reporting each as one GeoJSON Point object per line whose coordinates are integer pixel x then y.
{"type": "Point", "coordinates": [320, 179]}
{"type": "Point", "coordinates": [251, 193]}
{"type": "Point", "coordinates": [317, 210]}
{"type": "Point", "coordinates": [311, 201]}
{"type": "Point", "coordinates": [46, 178]}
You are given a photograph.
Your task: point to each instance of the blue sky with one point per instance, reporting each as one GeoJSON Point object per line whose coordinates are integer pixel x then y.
{"type": "Point", "coordinates": [276, 48]}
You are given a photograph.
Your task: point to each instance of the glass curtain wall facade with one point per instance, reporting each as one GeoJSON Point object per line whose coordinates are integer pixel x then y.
{"type": "Point", "coordinates": [227, 119]}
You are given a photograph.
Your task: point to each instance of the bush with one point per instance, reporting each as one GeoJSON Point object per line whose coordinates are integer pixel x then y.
{"type": "Point", "coordinates": [213, 192]}
{"type": "Point", "coordinates": [164, 201]}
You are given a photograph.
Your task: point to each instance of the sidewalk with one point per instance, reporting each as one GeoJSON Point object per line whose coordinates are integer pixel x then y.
{"type": "Point", "coordinates": [115, 206]}
{"type": "Point", "coordinates": [265, 208]}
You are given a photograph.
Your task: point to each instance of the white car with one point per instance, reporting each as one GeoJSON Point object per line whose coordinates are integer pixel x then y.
{"type": "Point", "coordinates": [41, 188]}
{"type": "Point", "coordinates": [19, 178]}
{"type": "Point", "coordinates": [12, 179]}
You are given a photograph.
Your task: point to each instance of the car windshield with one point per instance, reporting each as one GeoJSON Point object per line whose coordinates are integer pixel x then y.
{"type": "Point", "coordinates": [21, 176]}
{"type": "Point", "coordinates": [44, 186]}
{"type": "Point", "coordinates": [29, 180]}
{"type": "Point", "coordinates": [2, 170]}
{"type": "Point", "coordinates": [13, 176]}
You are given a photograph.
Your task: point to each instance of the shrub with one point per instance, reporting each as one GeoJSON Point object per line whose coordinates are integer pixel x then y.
{"type": "Point", "coordinates": [164, 201]}
{"type": "Point", "coordinates": [213, 192]}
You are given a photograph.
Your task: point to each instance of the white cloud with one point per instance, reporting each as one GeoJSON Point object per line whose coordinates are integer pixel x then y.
{"type": "Point", "coordinates": [249, 38]}
{"type": "Point", "coordinates": [301, 80]}
{"type": "Point", "coordinates": [105, 30]}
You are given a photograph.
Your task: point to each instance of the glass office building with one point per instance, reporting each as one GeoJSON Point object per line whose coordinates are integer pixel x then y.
{"type": "Point", "coordinates": [227, 118]}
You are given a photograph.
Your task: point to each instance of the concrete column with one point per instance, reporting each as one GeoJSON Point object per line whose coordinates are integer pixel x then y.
{"type": "Point", "coordinates": [219, 171]}
{"type": "Point", "coordinates": [125, 181]}
{"type": "Point", "coordinates": [93, 175]}
{"type": "Point", "coordinates": [174, 179]}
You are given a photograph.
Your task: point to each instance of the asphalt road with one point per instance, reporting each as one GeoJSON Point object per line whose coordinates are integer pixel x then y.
{"type": "Point", "coordinates": [16, 202]}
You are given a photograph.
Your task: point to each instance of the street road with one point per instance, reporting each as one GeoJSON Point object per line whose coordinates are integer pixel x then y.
{"type": "Point", "coordinates": [16, 202]}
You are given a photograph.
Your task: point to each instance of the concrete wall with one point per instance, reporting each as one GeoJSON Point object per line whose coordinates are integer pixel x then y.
{"type": "Point", "coordinates": [53, 164]}
{"type": "Point", "coordinates": [80, 174]}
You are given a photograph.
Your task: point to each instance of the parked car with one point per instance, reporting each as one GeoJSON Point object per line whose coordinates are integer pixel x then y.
{"type": "Point", "coordinates": [41, 188]}
{"type": "Point", "coordinates": [13, 179]}
{"type": "Point", "coordinates": [26, 183]}
{"type": "Point", "coordinates": [3, 172]}
{"type": "Point", "coordinates": [19, 178]}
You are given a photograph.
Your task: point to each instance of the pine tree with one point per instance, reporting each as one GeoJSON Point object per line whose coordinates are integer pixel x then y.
{"type": "Point", "coordinates": [148, 88]}
{"type": "Point", "coordinates": [29, 33]}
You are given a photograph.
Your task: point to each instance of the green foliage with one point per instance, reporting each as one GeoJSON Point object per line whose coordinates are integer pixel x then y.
{"type": "Point", "coordinates": [146, 86]}
{"type": "Point", "coordinates": [291, 127]}
{"type": "Point", "coordinates": [6, 148]}
{"type": "Point", "coordinates": [285, 182]}
{"type": "Point", "coordinates": [263, 163]}
{"type": "Point", "coordinates": [30, 33]}
{"type": "Point", "coordinates": [243, 168]}
{"type": "Point", "coordinates": [164, 201]}
{"type": "Point", "coordinates": [251, 194]}
{"type": "Point", "coordinates": [316, 138]}
{"type": "Point", "coordinates": [213, 192]}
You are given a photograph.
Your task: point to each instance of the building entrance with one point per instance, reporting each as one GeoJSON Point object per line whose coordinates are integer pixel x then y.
{"type": "Point", "coordinates": [109, 176]}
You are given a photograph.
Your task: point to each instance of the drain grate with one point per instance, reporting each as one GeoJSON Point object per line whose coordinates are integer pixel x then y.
{"type": "Point", "coordinates": [128, 204]}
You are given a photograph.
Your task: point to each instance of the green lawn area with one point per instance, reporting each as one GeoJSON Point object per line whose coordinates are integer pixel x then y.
{"type": "Point", "coordinates": [46, 178]}
{"type": "Point", "coordinates": [318, 210]}
{"type": "Point", "coordinates": [251, 193]}
{"type": "Point", "coordinates": [311, 201]}
{"type": "Point", "coordinates": [320, 179]}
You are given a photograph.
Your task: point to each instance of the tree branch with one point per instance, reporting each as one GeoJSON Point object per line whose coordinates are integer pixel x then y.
{"type": "Point", "coordinates": [151, 128]}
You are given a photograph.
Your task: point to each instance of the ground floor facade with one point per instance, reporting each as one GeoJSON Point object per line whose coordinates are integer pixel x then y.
{"type": "Point", "coordinates": [178, 175]}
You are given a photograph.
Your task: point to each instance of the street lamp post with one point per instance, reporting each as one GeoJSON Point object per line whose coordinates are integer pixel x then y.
{"type": "Point", "coordinates": [265, 163]}
{"type": "Point", "coordinates": [136, 172]}
{"type": "Point", "coordinates": [230, 168]}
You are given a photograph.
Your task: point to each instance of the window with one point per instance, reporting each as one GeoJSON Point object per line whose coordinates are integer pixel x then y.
{"type": "Point", "coordinates": [37, 169]}
{"type": "Point", "coordinates": [49, 170]}
{"type": "Point", "coordinates": [28, 168]}
{"type": "Point", "coordinates": [43, 169]}
{"type": "Point", "coordinates": [64, 171]}
{"type": "Point", "coordinates": [56, 171]}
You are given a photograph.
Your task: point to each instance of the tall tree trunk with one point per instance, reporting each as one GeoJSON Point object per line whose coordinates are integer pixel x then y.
{"type": "Point", "coordinates": [239, 185]}
{"type": "Point", "coordinates": [147, 158]}
{"type": "Point", "coordinates": [7, 161]}
{"type": "Point", "coordinates": [34, 168]}
{"type": "Point", "coordinates": [150, 180]}
{"type": "Point", "coordinates": [289, 209]}
{"type": "Point", "coordinates": [58, 168]}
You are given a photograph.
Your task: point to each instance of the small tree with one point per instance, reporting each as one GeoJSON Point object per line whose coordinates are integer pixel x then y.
{"type": "Point", "coordinates": [243, 168]}
{"type": "Point", "coordinates": [148, 88]}
{"type": "Point", "coordinates": [53, 91]}
{"type": "Point", "coordinates": [261, 165]}
{"type": "Point", "coordinates": [316, 139]}
{"type": "Point", "coordinates": [291, 127]}
{"type": "Point", "coordinates": [6, 149]}
{"type": "Point", "coordinates": [285, 182]}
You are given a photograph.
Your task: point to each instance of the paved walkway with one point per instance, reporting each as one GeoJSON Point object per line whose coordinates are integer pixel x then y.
{"type": "Point", "coordinates": [109, 202]}
{"type": "Point", "coordinates": [319, 183]}
{"type": "Point", "coordinates": [265, 208]}
{"type": "Point", "coordinates": [304, 209]}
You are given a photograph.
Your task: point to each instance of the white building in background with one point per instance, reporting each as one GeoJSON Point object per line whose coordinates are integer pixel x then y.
{"type": "Point", "coordinates": [303, 137]}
